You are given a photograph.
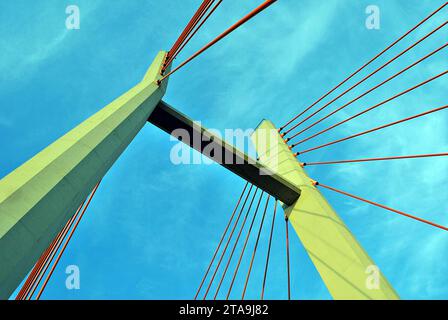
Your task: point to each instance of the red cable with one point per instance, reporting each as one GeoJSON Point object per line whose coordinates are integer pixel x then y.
{"type": "Point", "coordinates": [364, 66]}
{"type": "Point", "coordinates": [44, 267]}
{"type": "Point", "coordinates": [255, 248]}
{"type": "Point", "coordinates": [32, 276]}
{"type": "Point", "coordinates": [376, 159]}
{"type": "Point", "coordinates": [235, 245]}
{"type": "Point", "coordinates": [66, 243]}
{"type": "Point", "coordinates": [380, 104]}
{"type": "Point", "coordinates": [368, 76]}
{"type": "Point", "coordinates": [287, 259]}
{"type": "Point", "coordinates": [244, 247]}
{"type": "Point", "coordinates": [269, 251]}
{"type": "Point", "coordinates": [382, 206]}
{"type": "Point", "coordinates": [50, 252]}
{"type": "Point", "coordinates": [375, 129]}
{"type": "Point", "coordinates": [187, 29]}
{"type": "Point", "coordinates": [173, 54]}
{"type": "Point", "coordinates": [252, 14]}
{"type": "Point", "coordinates": [221, 241]}
{"type": "Point", "coordinates": [196, 30]}
{"type": "Point", "coordinates": [366, 93]}
{"type": "Point", "coordinates": [227, 244]}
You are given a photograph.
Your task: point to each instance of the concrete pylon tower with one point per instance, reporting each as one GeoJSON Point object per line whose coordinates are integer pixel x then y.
{"type": "Point", "coordinates": [344, 266]}
{"type": "Point", "coordinates": [38, 198]}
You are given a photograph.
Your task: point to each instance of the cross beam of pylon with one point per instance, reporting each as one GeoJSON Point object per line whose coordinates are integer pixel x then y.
{"type": "Point", "coordinates": [211, 145]}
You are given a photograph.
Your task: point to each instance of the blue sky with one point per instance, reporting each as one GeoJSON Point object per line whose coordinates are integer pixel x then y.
{"type": "Point", "coordinates": [152, 227]}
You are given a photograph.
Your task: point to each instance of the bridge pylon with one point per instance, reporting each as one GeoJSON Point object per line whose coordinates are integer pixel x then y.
{"type": "Point", "coordinates": [344, 266]}
{"type": "Point", "coordinates": [38, 198]}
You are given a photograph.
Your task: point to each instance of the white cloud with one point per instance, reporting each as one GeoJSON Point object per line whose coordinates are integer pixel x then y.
{"type": "Point", "coordinates": [34, 42]}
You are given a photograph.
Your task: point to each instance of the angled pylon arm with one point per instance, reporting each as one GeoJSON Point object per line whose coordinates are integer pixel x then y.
{"type": "Point", "coordinates": [170, 120]}
{"type": "Point", "coordinates": [345, 268]}
{"type": "Point", "coordinates": [38, 198]}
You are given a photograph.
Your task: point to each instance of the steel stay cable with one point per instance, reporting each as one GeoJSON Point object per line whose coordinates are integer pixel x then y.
{"type": "Point", "coordinates": [365, 93]}
{"type": "Point", "coordinates": [67, 241]}
{"type": "Point", "coordinates": [364, 66]}
{"type": "Point", "coordinates": [381, 206]}
{"type": "Point", "coordinates": [187, 28]}
{"type": "Point", "coordinates": [235, 245]}
{"type": "Point", "coordinates": [255, 248]}
{"type": "Point", "coordinates": [244, 247]}
{"type": "Point", "coordinates": [36, 271]}
{"type": "Point", "coordinates": [375, 129]}
{"type": "Point", "coordinates": [227, 244]}
{"type": "Point", "coordinates": [287, 258]}
{"type": "Point", "coordinates": [49, 258]}
{"type": "Point", "coordinates": [379, 104]}
{"type": "Point", "coordinates": [222, 239]}
{"type": "Point", "coordinates": [252, 14]}
{"type": "Point", "coordinates": [376, 159]}
{"type": "Point", "coordinates": [198, 27]}
{"type": "Point", "coordinates": [269, 251]}
{"type": "Point", "coordinates": [368, 76]}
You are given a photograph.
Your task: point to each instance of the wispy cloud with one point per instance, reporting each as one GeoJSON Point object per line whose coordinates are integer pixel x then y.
{"type": "Point", "coordinates": [35, 40]}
